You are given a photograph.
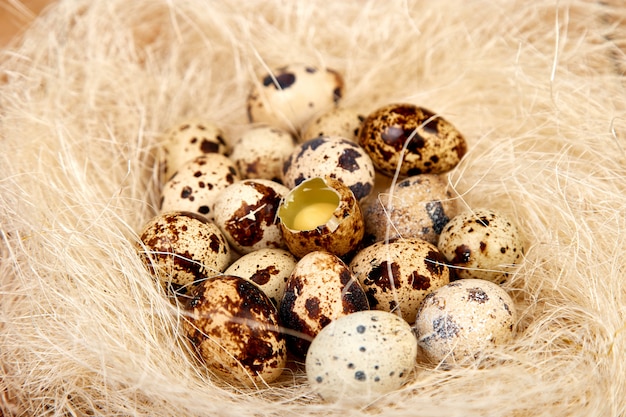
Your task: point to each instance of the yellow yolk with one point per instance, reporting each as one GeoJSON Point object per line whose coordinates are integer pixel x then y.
{"type": "Point", "coordinates": [313, 215]}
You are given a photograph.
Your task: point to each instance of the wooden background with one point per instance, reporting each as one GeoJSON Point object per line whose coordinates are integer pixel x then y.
{"type": "Point", "coordinates": [16, 15]}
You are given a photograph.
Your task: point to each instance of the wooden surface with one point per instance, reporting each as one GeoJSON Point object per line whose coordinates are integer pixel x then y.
{"type": "Point", "coordinates": [16, 15]}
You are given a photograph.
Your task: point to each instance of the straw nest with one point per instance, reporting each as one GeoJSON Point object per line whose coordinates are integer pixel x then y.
{"type": "Point", "coordinates": [537, 89]}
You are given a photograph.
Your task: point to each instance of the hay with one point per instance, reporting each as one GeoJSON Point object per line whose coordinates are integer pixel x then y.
{"type": "Point", "coordinates": [536, 87]}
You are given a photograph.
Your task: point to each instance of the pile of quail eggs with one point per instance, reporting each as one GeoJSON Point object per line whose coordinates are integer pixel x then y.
{"type": "Point", "coordinates": [293, 245]}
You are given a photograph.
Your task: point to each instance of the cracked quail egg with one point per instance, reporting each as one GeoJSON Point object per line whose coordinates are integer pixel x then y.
{"type": "Point", "coordinates": [245, 212]}
{"type": "Point", "coordinates": [482, 243]}
{"type": "Point", "coordinates": [416, 139]}
{"type": "Point", "coordinates": [289, 96]}
{"type": "Point", "coordinates": [460, 320]}
{"type": "Point", "coordinates": [396, 276]}
{"type": "Point", "coordinates": [361, 356]}
{"type": "Point", "coordinates": [235, 330]}
{"type": "Point", "coordinates": [321, 214]}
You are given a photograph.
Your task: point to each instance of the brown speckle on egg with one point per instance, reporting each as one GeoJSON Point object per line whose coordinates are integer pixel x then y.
{"type": "Point", "coordinates": [320, 289]}
{"type": "Point", "coordinates": [398, 275]}
{"type": "Point", "coordinates": [463, 319]}
{"type": "Point", "coordinates": [416, 139]}
{"type": "Point", "coordinates": [482, 243]}
{"type": "Point", "coordinates": [183, 248]}
{"type": "Point", "coordinates": [246, 214]}
{"type": "Point", "coordinates": [235, 330]}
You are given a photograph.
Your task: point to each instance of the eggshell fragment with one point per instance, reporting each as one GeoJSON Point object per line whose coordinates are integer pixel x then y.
{"type": "Point", "coordinates": [396, 276]}
{"type": "Point", "coordinates": [261, 151]}
{"type": "Point", "coordinates": [195, 186]}
{"type": "Point", "coordinates": [418, 206]}
{"type": "Point", "coordinates": [268, 268]}
{"type": "Point", "coordinates": [321, 214]}
{"type": "Point", "coordinates": [341, 121]}
{"type": "Point", "coordinates": [413, 138]}
{"type": "Point", "coordinates": [245, 212]}
{"type": "Point", "coordinates": [331, 156]}
{"type": "Point", "coordinates": [183, 248]}
{"type": "Point", "coordinates": [464, 318]}
{"type": "Point", "coordinates": [361, 356]}
{"type": "Point", "coordinates": [289, 96]}
{"type": "Point", "coordinates": [482, 243]}
{"type": "Point", "coordinates": [188, 140]}
{"type": "Point", "coordinates": [320, 289]}
{"type": "Point", "coordinates": [235, 330]}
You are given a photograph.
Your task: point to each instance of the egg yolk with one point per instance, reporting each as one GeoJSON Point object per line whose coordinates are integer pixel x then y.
{"type": "Point", "coordinates": [313, 215]}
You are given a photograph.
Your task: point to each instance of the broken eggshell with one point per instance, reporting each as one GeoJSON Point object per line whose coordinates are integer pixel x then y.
{"type": "Point", "coordinates": [321, 214]}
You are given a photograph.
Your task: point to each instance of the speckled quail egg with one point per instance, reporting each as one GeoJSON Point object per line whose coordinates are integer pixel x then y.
{"type": "Point", "coordinates": [268, 268]}
{"type": "Point", "coordinates": [482, 243]}
{"type": "Point", "coordinates": [188, 140]}
{"type": "Point", "coordinates": [235, 330]}
{"type": "Point", "coordinates": [331, 156]}
{"type": "Point", "coordinates": [396, 276]}
{"type": "Point", "coordinates": [341, 121]}
{"type": "Point", "coordinates": [418, 206]}
{"type": "Point", "coordinates": [197, 183]}
{"type": "Point", "coordinates": [417, 139]}
{"type": "Point", "coordinates": [245, 212]}
{"type": "Point", "coordinates": [182, 248]}
{"type": "Point", "coordinates": [361, 356]}
{"type": "Point", "coordinates": [291, 95]}
{"type": "Point", "coordinates": [460, 320]}
{"type": "Point", "coordinates": [320, 289]}
{"type": "Point", "coordinates": [321, 214]}
{"type": "Point", "coordinates": [261, 151]}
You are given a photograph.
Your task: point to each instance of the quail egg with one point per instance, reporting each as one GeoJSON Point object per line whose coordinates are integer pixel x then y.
{"type": "Point", "coordinates": [321, 214]}
{"type": "Point", "coordinates": [245, 212]}
{"type": "Point", "coordinates": [261, 151]}
{"type": "Point", "coordinates": [341, 121]}
{"type": "Point", "coordinates": [289, 96]}
{"type": "Point", "coordinates": [320, 289]}
{"type": "Point", "coordinates": [331, 156]}
{"type": "Point", "coordinates": [396, 276]}
{"type": "Point", "coordinates": [268, 268]}
{"type": "Point", "coordinates": [418, 206]}
{"type": "Point", "coordinates": [197, 183]}
{"type": "Point", "coordinates": [361, 356]}
{"type": "Point", "coordinates": [235, 330]}
{"type": "Point", "coordinates": [413, 138]}
{"type": "Point", "coordinates": [183, 248]}
{"type": "Point", "coordinates": [482, 243]}
{"type": "Point", "coordinates": [459, 321]}
{"type": "Point", "coordinates": [188, 140]}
